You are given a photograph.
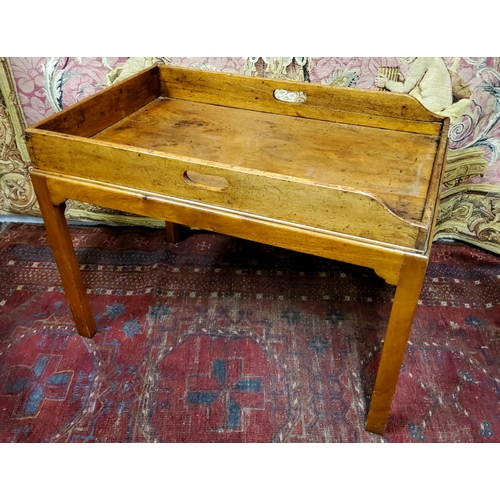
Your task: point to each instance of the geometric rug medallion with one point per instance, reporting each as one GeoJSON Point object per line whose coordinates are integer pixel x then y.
{"type": "Point", "coordinates": [217, 339]}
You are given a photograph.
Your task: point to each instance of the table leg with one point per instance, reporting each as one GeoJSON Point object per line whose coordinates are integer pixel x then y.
{"type": "Point", "coordinates": [64, 254]}
{"type": "Point", "coordinates": [398, 331]}
{"type": "Point", "coordinates": [172, 232]}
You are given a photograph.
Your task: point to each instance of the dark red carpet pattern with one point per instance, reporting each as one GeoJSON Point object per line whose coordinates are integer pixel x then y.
{"type": "Point", "coordinates": [216, 339]}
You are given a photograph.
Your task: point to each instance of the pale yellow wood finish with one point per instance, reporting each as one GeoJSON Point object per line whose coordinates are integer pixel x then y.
{"type": "Point", "coordinates": [348, 174]}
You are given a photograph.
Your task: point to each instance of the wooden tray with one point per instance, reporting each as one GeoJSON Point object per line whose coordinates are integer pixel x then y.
{"type": "Point", "coordinates": [348, 174]}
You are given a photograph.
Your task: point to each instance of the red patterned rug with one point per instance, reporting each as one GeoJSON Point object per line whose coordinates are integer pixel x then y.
{"type": "Point", "coordinates": [217, 339]}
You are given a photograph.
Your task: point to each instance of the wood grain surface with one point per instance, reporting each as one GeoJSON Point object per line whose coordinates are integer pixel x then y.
{"type": "Point", "coordinates": [385, 260]}
{"type": "Point", "coordinates": [338, 104]}
{"type": "Point", "coordinates": [347, 174]}
{"type": "Point", "coordinates": [324, 153]}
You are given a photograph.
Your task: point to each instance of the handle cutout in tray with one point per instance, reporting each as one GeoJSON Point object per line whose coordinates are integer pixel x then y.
{"type": "Point", "coordinates": [205, 181]}
{"type": "Point", "coordinates": [288, 96]}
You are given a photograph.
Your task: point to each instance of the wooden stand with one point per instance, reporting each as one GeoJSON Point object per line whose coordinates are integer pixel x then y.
{"type": "Point", "coordinates": [348, 174]}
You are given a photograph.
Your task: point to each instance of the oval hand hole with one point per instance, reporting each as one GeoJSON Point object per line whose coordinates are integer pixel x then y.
{"type": "Point", "coordinates": [204, 181]}
{"type": "Point", "coordinates": [288, 96]}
